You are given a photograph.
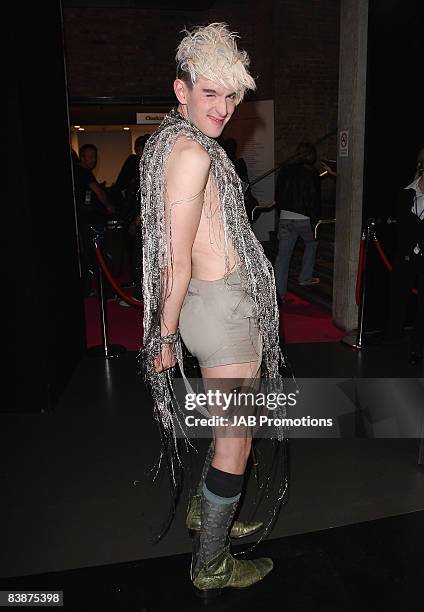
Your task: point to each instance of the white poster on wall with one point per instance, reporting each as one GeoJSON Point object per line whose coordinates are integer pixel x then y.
{"type": "Point", "coordinates": [252, 126]}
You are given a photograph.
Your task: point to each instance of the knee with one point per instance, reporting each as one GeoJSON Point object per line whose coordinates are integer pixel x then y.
{"type": "Point", "coordinates": [232, 458]}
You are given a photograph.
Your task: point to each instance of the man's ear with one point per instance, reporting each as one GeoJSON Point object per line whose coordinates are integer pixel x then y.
{"type": "Point", "coordinates": [180, 89]}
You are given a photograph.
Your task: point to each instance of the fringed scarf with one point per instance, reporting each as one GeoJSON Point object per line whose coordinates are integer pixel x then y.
{"type": "Point", "coordinates": [255, 270]}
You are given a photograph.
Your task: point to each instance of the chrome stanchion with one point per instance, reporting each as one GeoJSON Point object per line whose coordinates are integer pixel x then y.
{"type": "Point", "coordinates": [322, 222]}
{"type": "Point", "coordinates": [105, 349]}
{"type": "Point", "coordinates": [262, 208]}
{"type": "Point", "coordinates": [356, 340]}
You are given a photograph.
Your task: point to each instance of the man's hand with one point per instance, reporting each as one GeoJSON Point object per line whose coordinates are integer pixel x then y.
{"type": "Point", "coordinates": [102, 197]}
{"type": "Point", "coordinates": [166, 358]}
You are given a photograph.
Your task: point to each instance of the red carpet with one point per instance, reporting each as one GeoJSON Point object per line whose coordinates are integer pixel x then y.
{"type": "Point", "coordinates": [300, 322]}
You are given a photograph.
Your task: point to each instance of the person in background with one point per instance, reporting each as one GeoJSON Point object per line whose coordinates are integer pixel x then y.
{"type": "Point", "coordinates": [298, 200]}
{"type": "Point", "coordinates": [128, 183]}
{"type": "Point", "coordinates": [408, 264]}
{"type": "Point", "coordinates": [93, 208]}
{"type": "Point", "coordinates": [250, 202]}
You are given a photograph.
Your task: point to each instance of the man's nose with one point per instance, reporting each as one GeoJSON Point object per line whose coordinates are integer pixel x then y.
{"type": "Point", "coordinates": [221, 107]}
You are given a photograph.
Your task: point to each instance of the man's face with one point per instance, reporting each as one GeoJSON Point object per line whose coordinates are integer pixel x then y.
{"type": "Point", "coordinates": [89, 159]}
{"type": "Point", "coordinates": [206, 104]}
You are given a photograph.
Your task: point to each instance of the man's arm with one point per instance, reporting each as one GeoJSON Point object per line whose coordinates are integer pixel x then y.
{"type": "Point", "coordinates": [280, 189]}
{"type": "Point", "coordinates": [127, 172]}
{"type": "Point", "coordinates": [316, 209]}
{"type": "Point", "coordinates": [101, 196]}
{"type": "Point", "coordinates": [186, 176]}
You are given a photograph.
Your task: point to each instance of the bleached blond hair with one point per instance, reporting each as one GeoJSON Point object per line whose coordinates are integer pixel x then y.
{"type": "Point", "coordinates": [211, 52]}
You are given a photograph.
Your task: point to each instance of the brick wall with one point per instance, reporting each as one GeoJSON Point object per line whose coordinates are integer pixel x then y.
{"type": "Point", "coordinates": [306, 43]}
{"type": "Point", "coordinates": [122, 52]}
{"type": "Point", "coordinates": [293, 45]}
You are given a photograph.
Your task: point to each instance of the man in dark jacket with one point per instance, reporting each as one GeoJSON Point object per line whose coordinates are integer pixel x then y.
{"type": "Point", "coordinates": [93, 209]}
{"type": "Point", "coordinates": [250, 202]}
{"type": "Point", "coordinates": [128, 183]}
{"type": "Point", "coordinates": [408, 265]}
{"type": "Point", "coordinates": [298, 199]}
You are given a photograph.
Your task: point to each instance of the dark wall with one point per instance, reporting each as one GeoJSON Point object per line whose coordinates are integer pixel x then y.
{"type": "Point", "coordinates": [49, 327]}
{"type": "Point", "coordinates": [394, 129]}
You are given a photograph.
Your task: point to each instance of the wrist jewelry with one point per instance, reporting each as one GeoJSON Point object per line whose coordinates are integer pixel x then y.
{"type": "Point", "coordinates": [170, 338]}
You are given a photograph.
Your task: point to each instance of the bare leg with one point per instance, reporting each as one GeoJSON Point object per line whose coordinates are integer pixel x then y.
{"type": "Point", "coordinates": [213, 566]}
{"type": "Point", "coordinates": [231, 453]}
{"type": "Point", "coordinates": [230, 450]}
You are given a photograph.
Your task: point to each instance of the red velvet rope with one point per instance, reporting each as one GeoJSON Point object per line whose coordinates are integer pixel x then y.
{"type": "Point", "coordinates": [383, 255]}
{"type": "Point", "coordinates": [128, 299]}
{"type": "Point", "coordinates": [386, 261]}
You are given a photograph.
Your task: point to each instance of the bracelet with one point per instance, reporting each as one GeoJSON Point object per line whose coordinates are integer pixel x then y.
{"type": "Point", "coordinates": [170, 338]}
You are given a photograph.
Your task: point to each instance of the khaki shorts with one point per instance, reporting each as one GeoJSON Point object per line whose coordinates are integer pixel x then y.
{"type": "Point", "coordinates": [218, 323]}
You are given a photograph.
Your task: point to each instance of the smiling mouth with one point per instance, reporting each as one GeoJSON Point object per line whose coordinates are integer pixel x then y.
{"type": "Point", "coordinates": [217, 121]}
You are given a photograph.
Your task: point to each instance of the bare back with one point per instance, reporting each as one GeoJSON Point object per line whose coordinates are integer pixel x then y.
{"type": "Point", "coordinates": [208, 247]}
{"type": "Point", "coordinates": [208, 253]}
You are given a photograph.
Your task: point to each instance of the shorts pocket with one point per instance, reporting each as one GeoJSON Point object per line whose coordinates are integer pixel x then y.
{"type": "Point", "coordinates": [192, 294]}
{"type": "Point", "coordinates": [244, 307]}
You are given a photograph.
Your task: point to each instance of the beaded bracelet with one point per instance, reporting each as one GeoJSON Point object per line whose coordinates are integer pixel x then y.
{"type": "Point", "coordinates": [170, 338]}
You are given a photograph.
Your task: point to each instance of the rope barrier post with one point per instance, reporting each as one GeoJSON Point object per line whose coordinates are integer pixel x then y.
{"type": "Point", "coordinates": [105, 349]}
{"type": "Point", "coordinates": [356, 341]}
{"type": "Point", "coordinates": [322, 222]}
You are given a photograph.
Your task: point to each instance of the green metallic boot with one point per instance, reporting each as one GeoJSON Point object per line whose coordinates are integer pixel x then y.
{"type": "Point", "coordinates": [239, 529]}
{"type": "Point", "coordinates": [213, 567]}
{"type": "Point", "coordinates": [224, 571]}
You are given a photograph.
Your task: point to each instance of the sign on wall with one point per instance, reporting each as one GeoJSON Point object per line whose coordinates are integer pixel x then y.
{"type": "Point", "coordinates": [344, 143]}
{"type": "Point", "coordinates": [149, 118]}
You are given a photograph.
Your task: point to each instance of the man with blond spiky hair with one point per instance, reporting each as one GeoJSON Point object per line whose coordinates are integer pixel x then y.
{"type": "Point", "coordinates": [207, 281]}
